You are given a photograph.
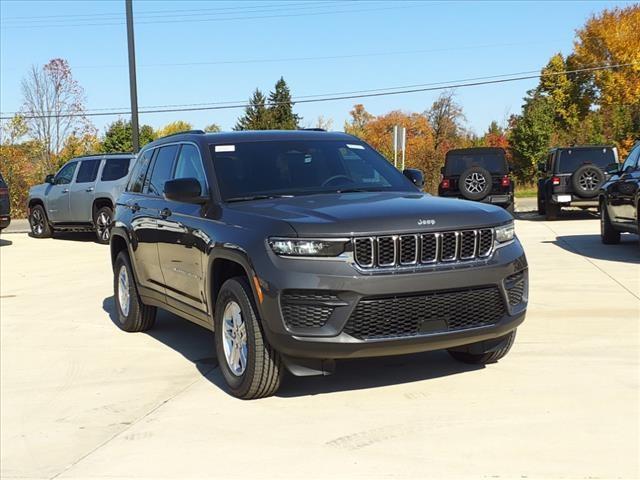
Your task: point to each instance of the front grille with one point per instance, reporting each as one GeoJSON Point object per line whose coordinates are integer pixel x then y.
{"type": "Point", "coordinates": [426, 248]}
{"type": "Point", "coordinates": [515, 286]}
{"type": "Point", "coordinates": [430, 312]}
{"type": "Point", "coordinates": [307, 309]}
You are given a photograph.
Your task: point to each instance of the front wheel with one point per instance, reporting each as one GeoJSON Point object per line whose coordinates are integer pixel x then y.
{"type": "Point", "coordinates": [484, 352]}
{"type": "Point", "coordinates": [102, 222]}
{"type": "Point", "coordinates": [249, 365]}
{"type": "Point", "coordinates": [38, 222]}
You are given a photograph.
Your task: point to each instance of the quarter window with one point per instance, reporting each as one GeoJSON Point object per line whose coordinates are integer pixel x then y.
{"type": "Point", "coordinates": [189, 165]}
{"type": "Point", "coordinates": [88, 170]}
{"type": "Point", "coordinates": [115, 169]}
{"type": "Point", "coordinates": [162, 169]}
{"type": "Point", "coordinates": [65, 175]}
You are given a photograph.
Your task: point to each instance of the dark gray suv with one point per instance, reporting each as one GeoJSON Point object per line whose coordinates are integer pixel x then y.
{"type": "Point", "coordinates": [302, 247]}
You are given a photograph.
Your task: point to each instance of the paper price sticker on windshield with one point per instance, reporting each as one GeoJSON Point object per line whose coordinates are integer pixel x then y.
{"type": "Point", "coordinates": [355, 147]}
{"type": "Point", "coordinates": [225, 148]}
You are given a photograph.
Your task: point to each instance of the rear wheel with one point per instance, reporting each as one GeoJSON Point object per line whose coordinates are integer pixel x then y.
{"type": "Point", "coordinates": [551, 210]}
{"type": "Point", "coordinates": [38, 222]}
{"type": "Point", "coordinates": [608, 234]}
{"type": "Point", "coordinates": [102, 223]}
{"type": "Point", "coordinates": [249, 365]}
{"type": "Point", "coordinates": [133, 315]}
{"type": "Point", "coordinates": [480, 356]}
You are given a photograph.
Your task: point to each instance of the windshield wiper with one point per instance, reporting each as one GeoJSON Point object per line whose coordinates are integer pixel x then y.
{"type": "Point", "coordinates": [354, 190]}
{"type": "Point", "coordinates": [256, 197]}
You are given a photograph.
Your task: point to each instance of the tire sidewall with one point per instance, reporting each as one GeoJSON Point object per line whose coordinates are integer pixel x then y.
{"type": "Point", "coordinates": [46, 230]}
{"type": "Point", "coordinates": [235, 290]}
{"type": "Point", "coordinates": [473, 195]}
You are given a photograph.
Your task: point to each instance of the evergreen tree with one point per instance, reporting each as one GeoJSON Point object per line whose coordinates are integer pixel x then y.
{"type": "Point", "coordinates": [118, 138]}
{"type": "Point", "coordinates": [281, 108]}
{"type": "Point", "coordinates": [255, 114]}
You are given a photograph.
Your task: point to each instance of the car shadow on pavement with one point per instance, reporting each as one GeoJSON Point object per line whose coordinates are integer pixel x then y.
{"type": "Point", "coordinates": [75, 236]}
{"type": "Point", "coordinates": [591, 246]}
{"type": "Point", "coordinates": [196, 344]}
{"type": "Point", "coordinates": [5, 243]}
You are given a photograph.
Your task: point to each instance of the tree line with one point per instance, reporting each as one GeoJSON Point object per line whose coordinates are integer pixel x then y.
{"type": "Point", "coordinates": [573, 103]}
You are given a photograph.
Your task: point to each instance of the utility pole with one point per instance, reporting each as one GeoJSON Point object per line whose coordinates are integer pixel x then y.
{"type": "Point", "coordinates": [135, 135]}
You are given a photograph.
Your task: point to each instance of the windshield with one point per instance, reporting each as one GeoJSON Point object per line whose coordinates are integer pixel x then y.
{"type": "Point", "coordinates": [282, 168]}
{"type": "Point", "coordinates": [572, 159]}
{"type": "Point", "coordinates": [457, 163]}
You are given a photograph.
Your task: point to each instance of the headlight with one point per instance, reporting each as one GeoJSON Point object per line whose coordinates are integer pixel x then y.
{"type": "Point", "coordinates": [291, 247]}
{"type": "Point", "coordinates": [505, 233]}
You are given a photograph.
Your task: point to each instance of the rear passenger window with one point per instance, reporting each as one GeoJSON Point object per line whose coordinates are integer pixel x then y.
{"type": "Point", "coordinates": [88, 170]}
{"type": "Point", "coordinates": [139, 171]}
{"type": "Point", "coordinates": [115, 169]}
{"type": "Point", "coordinates": [162, 169]}
{"type": "Point", "coordinates": [189, 165]}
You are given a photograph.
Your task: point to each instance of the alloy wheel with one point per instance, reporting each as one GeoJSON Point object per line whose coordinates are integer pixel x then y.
{"type": "Point", "coordinates": [475, 182]}
{"type": "Point", "coordinates": [234, 338]}
{"type": "Point", "coordinates": [102, 225]}
{"type": "Point", "coordinates": [37, 222]}
{"type": "Point", "coordinates": [124, 296]}
{"type": "Point", "coordinates": [589, 180]}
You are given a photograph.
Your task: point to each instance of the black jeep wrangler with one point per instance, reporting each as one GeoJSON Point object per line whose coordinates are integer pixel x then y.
{"type": "Point", "coordinates": [478, 174]}
{"type": "Point", "coordinates": [572, 177]}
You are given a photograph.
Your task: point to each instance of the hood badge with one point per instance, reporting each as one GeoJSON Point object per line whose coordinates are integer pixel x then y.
{"type": "Point", "coordinates": [426, 221]}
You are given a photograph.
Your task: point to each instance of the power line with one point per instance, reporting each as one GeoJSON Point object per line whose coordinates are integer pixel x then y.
{"type": "Point", "coordinates": [215, 19]}
{"type": "Point", "coordinates": [356, 95]}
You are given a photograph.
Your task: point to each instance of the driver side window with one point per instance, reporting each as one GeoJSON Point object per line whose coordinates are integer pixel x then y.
{"type": "Point", "coordinates": [65, 175]}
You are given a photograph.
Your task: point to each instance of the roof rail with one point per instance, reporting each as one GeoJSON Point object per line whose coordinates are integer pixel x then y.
{"type": "Point", "coordinates": [313, 129]}
{"type": "Point", "coordinates": [195, 132]}
{"type": "Point", "coordinates": [102, 154]}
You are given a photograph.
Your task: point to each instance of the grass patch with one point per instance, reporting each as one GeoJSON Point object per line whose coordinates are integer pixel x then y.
{"type": "Point", "coordinates": [526, 191]}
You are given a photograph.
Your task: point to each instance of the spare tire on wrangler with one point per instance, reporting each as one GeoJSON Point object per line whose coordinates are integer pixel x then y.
{"type": "Point", "coordinates": [587, 180]}
{"type": "Point", "coordinates": [475, 183]}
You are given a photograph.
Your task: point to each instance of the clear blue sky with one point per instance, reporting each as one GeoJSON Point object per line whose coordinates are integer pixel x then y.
{"type": "Point", "coordinates": [229, 48]}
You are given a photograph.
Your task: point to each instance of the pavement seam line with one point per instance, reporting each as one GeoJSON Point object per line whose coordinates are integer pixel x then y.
{"type": "Point", "coordinates": [135, 422]}
{"type": "Point", "coordinates": [585, 257]}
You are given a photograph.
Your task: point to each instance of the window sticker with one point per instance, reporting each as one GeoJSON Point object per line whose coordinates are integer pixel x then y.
{"type": "Point", "coordinates": [225, 148]}
{"type": "Point", "coordinates": [354, 146]}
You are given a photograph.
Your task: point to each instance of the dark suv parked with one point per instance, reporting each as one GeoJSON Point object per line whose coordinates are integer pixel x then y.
{"type": "Point", "coordinates": [479, 174]}
{"type": "Point", "coordinates": [301, 247]}
{"type": "Point", "coordinates": [620, 200]}
{"type": "Point", "coordinates": [572, 177]}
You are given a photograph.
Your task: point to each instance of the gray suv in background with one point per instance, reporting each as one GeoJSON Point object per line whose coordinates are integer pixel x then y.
{"type": "Point", "coordinates": [80, 197]}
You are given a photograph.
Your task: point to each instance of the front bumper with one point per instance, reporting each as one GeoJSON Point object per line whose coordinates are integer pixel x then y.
{"type": "Point", "coordinates": [330, 341]}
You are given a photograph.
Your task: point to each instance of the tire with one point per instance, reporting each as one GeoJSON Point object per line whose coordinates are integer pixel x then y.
{"type": "Point", "coordinates": [39, 223]}
{"type": "Point", "coordinates": [492, 355]}
{"type": "Point", "coordinates": [541, 205]}
{"type": "Point", "coordinates": [133, 316]}
{"type": "Point", "coordinates": [475, 183]}
{"type": "Point", "coordinates": [262, 372]}
{"type": "Point", "coordinates": [551, 211]}
{"type": "Point", "coordinates": [102, 223]}
{"type": "Point", "coordinates": [587, 180]}
{"type": "Point", "coordinates": [608, 234]}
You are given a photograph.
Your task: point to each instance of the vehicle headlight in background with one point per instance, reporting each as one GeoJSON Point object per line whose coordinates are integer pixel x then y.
{"type": "Point", "coordinates": [505, 233]}
{"type": "Point", "coordinates": [297, 247]}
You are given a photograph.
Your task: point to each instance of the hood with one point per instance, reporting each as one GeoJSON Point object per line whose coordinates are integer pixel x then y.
{"type": "Point", "coordinates": [38, 190]}
{"type": "Point", "coordinates": [374, 213]}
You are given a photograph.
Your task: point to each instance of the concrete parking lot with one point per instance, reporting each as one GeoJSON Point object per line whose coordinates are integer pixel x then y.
{"type": "Point", "coordinates": [82, 399]}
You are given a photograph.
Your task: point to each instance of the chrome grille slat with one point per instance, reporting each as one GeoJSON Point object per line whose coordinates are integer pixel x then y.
{"type": "Point", "coordinates": [429, 248]}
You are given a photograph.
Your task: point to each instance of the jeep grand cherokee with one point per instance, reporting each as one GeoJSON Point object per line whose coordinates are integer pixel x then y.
{"type": "Point", "coordinates": [301, 247]}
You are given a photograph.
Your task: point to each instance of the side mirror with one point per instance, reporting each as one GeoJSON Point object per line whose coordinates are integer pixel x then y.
{"type": "Point", "coordinates": [49, 179]}
{"type": "Point", "coordinates": [415, 176]}
{"type": "Point", "coordinates": [613, 168]}
{"type": "Point", "coordinates": [542, 167]}
{"type": "Point", "coordinates": [186, 190]}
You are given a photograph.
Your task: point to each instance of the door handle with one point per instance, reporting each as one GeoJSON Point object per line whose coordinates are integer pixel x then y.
{"type": "Point", "coordinates": [66, 190]}
{"type": "Point", "coordinates": [134, 207]}
{"type": "Point", "coordinates": [90, 189]}
{"type": "Point", "coordinates": [165, 212]}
